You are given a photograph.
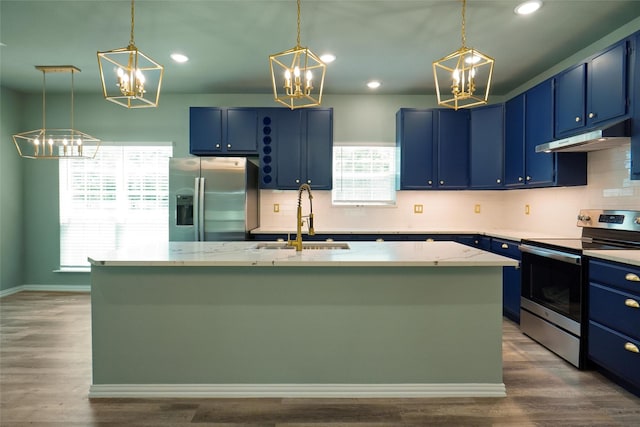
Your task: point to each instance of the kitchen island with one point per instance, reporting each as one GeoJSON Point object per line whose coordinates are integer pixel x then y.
{"type": "Point", "coordinates": [229, 319]}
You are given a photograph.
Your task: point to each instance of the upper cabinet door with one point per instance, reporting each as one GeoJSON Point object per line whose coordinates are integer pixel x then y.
{"type": "Point", "coordinates": [514, 141]}
{"type": "Point", "coordinates": [414, 137]}
{"type": "Point", "coordinates": [487, 146]}
{"type": "Point", "coordinates": [607, 85]}
{"type": "Point", "coordinates": [539, 167]}
{"type": "Point", "coordinates": [319, 149]}
{"type": "Point", "coordinates": [205, 130]}
{"type": "Point", "coordinates": [453, 149]}
{"type": "Point", "coordinates": [242, 130]}
{"type": "Point", "coordinates": [570, 97]}
{"type": "Point", "coordinates": [289, 148]}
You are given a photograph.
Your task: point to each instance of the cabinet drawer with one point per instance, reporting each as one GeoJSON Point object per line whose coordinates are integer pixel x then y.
{"type": "Point", "coordinates": [508, 248]}
{"type": "Point", "coordinates": [621, 276]}
{"type": "Point", "coordinates": [615, 309]}
{"type": "Point", "coordinates": [612, 351]}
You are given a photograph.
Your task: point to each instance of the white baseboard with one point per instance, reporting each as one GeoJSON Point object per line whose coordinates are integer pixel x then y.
{"type": "Point", "coordinates": [46, 288]}
{"type": "Point", "coordinates": [295, 390]}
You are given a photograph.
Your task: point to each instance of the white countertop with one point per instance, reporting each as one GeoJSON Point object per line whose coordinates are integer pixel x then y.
{"type": "Point", "coordinates": [508, 234]}
{"type": "Point", "coordinates": [626, 257]}
{"type": "Point", "coordinates": [360, 254]}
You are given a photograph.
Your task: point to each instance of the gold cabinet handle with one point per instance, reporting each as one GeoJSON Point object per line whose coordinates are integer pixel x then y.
{"type": "Point", "coordinates": [631, 347]}
{"type": "Point", "coordinates": [631, 303]}
{"type": "Point", "coordinates": [504, 246]}
{"type": "Point", "coordinates": [632, 277]}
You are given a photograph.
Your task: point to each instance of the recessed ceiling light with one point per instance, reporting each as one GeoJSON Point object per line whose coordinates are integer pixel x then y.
{"type": "Point", "coordinates": [528, 7]}
{"type": "Point", "coordinates": [328, 58]}
{"type": "Point", "coordinates": [178, 57]}
{"type": "Point", "coordinates": [373, 84]}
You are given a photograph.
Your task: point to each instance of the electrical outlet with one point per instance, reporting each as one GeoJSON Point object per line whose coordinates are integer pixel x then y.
{"type": "Point", "coordinates": [476, 209]}
{"type": "Point", "coordinates": [417, 209]}
{"type": "Point", "coordinates": [527, 209]}
{"type": "Point", "coordinates": [276, 207]}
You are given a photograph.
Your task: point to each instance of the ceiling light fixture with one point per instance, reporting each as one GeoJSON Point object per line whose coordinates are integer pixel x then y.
{"type": "Point", "coordinates": [466, 74]}
{"type": "Point", "coordinates": [292, 75]}
{"type": "Point", "coordinates": [55, 143]}
{"type": "Point", "coordinates": [179, 58]}
{"type": "Point", "coordinates": [528, 7]}
{"type": "Point", "coordinates": [132, 78]}
{"type": "Point", "coordinates": [373, 84]}
{"type": "Point", "coordinates": [327, 58]}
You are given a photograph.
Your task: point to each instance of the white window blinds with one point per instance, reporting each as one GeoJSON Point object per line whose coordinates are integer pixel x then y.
{"type": "Point", "coordinates": [119, 198]}
{"type": "Point", "coordinates": [364, 175]}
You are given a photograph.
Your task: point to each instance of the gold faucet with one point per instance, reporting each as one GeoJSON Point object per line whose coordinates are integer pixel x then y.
{"type": "Point", "coordinates": [298, 242]}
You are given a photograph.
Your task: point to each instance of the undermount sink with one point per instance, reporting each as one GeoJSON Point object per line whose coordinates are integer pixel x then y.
{"type": "Point", "coordinates": [305, 245]}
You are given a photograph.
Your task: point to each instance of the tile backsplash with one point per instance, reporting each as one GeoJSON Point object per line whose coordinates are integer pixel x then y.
{"type": "Point", "coordinates": [545, 210]}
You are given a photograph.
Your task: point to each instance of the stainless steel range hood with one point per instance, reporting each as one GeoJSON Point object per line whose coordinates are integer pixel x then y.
{"type": "Point", "coordinates": [611, 136]}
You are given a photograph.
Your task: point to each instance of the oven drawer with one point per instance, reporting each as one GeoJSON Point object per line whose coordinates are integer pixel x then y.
{"type": "Point", "coordinates": [615, 309]}
{"type": "Point", "coordinates": [615, 352]}
{"type": "Point", "coordinates": [619, 275]}
{"type": "Point", "coordinates": [506, 248]}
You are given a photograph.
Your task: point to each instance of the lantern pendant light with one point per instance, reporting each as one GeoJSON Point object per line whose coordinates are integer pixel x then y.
{"type": "Point", "coordinates": [129, 77]}
{"type": "Point", "coordinates": [297, 75]}
{"type": "Point", "coordinates": [463, 78]}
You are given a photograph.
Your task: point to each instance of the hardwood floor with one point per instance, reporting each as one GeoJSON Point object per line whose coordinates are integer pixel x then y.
{"type": "Point", "coordinates": [45, 373]}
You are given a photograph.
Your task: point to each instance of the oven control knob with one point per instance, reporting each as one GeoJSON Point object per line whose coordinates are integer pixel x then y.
{"type": "Point", "coordinates": [586, 218]}
{"type": "Point", "coordinates": [637, 220]}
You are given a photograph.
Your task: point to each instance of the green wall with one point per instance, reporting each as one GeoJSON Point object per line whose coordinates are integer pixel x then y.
{"type": "Point", "coordinates": [11, 193]}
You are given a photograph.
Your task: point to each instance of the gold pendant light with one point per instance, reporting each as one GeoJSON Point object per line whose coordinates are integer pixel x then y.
{"type": "Point", "coordinates": [129, 77]}
{"type": "Point", "coordinates": [297, 75]}
{"type": "Point", "coordinates": [56, 143]}
{"type": "Point", "coordinates": [465, 75]}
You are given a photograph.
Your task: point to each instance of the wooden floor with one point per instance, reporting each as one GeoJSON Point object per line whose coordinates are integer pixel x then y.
{"type": "Point", "coordinates": [45, 373]}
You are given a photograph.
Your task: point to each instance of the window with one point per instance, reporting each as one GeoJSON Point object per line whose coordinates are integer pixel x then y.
{"type": "Point", "coordinates": [117, 199]}
{"type": "Point", "coordinates": [364, 174]}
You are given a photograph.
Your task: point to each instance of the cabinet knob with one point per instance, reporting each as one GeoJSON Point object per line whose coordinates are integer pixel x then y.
{"type": "Point", "coordinates": [631, 347]}
{"type": "Point", "coordinates": [441, 182]}
{"type": "Point", "coordinates": [632, 277]}
{"type": "Point", "coordinates": [297, 181]}
{"type": "Point", "coordinates": [577, 119]}
{"type": "Point", "coordinates": [528, 178]}
{"type": "Point", "coordinates": [504, 246]}
{"type": "Point", "coordinates": [498, 181]}
{"type": "Point", "coordinates": [228, 145]}
{"type": "Point", "coordinates": [519, 179]}
{"type": "Point", "coordinates": [591, 115]}
{"type": "Point", "coordinates": [217, 145]}
{"type": "Point", "coordinates": [631, 303]}
{"type": "Point", "coordinates": [430, 182]}
{"type": "Point", "coordinates": [308, 181]}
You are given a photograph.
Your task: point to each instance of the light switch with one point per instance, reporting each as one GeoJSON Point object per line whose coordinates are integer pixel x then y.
{"type": "Point", "coordinates": [276, 207]}
{"type": "Point", "coordinates": [417, 209]}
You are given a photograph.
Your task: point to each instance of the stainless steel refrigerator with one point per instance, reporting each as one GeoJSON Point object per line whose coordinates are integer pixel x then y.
{"type": "Point", "coordinates": [212, 198]}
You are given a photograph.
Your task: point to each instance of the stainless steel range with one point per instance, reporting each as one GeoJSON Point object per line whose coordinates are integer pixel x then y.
{"type": "Point", "coordinates": [553, 306]}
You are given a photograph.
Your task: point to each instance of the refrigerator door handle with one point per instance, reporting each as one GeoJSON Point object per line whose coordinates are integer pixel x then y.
{"type": "Point", "coordinates": [196, 209]}
{"type": "Point", "coordinates": [201, 211]}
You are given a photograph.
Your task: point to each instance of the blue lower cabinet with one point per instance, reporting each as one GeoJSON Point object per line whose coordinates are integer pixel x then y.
{"type": "Point", "coordinates": [511, 281]}
{"type": "Point", "coordinates": [617, 353]}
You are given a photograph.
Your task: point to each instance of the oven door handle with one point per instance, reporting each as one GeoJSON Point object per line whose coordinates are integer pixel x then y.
{"type": "Point", "coordinates": [550, 253]}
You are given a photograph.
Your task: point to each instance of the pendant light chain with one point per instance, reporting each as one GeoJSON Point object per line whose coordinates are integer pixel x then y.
{"type": "Point", "coordinates": [298, 45]}
{"type": "Point", "coordinates": [464, 36]}
{"type": "Point", "coordinates": [72, 90]}
{"type": "Point", "coordinates": [44, 103]}
{"type": "Point", "coordinates": [132, 23]}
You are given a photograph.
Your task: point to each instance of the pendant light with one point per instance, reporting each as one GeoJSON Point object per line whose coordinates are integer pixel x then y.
{"type": "Point", "coordinates": [297, 75]}
{"type": "Point", "coordinates": [129, 77]}
{"type": "Point", "coordinates": [46, 143]}
{"type": "Point", "coordinates": [463, 78]}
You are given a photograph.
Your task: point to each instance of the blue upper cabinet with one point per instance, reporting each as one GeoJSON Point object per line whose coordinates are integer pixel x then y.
{"type": "Point", "coordinates": [452, 145]}
{"type": "Point", "coordinates": [539, 167]}
{"type": "Point", "coordinates": [215, 131]}
{"type": "Point", "coordinates": [514, 173]}
{"type": "Point", "coordinates": [414, 138]}
{"type": "Point", "coordinates": [635, 138]}
{"type": "Point", "coordinates": [487, 147]}
{"type": "Point", "coordinates": [593, 92]}
{"type": "Point", "coordinates": [302, 151]}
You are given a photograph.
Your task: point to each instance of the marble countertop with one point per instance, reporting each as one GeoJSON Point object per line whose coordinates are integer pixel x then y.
{"type": "Point", "coordinates": [508, 234]}
{"type": "Point", "coordinates": [359, 254]}
{"type": "Point", "coordinates": [631, 257]}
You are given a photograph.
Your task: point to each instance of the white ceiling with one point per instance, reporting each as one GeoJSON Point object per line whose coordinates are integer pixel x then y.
{"type": "Point", "coordinates": [229, 41]}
